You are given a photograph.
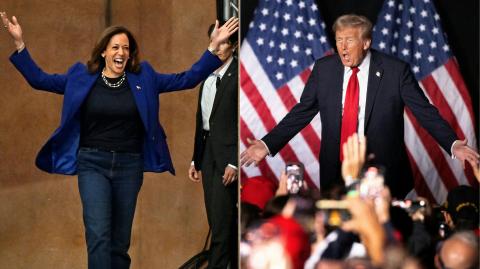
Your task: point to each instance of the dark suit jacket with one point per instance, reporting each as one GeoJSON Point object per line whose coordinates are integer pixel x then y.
{"type": "Point", "coordinates": [387, 96]}
{"type": "Point", "coordinates": [223, 122]}
{"type": "Point", "coordinates": [59, 154]}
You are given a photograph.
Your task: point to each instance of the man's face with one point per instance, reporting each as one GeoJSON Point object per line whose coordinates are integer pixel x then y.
{"type": "Point", "coordinates": [225, 50]}
{"type": "Point", "coordinates": [351, 46]}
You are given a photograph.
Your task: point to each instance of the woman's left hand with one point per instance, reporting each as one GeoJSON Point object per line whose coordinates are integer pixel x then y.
{"type": "Point", "coordinates": [221, 34]}
{"type": "Point", "coordinates": [14, 29]}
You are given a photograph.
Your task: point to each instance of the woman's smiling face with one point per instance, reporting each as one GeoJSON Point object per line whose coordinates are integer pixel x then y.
{"type": "Point", "coordinates": [116, 55]}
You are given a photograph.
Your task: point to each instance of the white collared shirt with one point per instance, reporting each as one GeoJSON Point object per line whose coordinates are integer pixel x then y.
{"type": "Point", "coordinates": [209, 91]}
{"type": "Point", "coordinates": [208, 96]}
{"type": "Point", "coordinates": [362, 76]}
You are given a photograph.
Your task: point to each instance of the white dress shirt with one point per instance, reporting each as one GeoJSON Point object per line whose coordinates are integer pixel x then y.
{"type": "Point", "coordinates": [208, 96]}
{"type": "Point", "coordinates": [209, 91]}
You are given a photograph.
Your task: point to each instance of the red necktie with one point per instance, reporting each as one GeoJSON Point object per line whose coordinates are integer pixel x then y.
{"type": "Point", "coordinates": [350, 110]}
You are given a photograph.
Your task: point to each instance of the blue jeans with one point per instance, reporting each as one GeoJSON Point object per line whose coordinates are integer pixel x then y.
{"type": "Point", "coordinates": [109, 183]}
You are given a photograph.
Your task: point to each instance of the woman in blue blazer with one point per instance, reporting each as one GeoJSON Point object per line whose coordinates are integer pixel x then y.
{"type": "Point", "coordinates": [110, 132]}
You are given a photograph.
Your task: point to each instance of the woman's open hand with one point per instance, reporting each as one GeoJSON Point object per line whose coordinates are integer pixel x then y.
{"type": "Point", "coordinates": [221, 34]}
{"type": "Point", "coordinates": [13, 27]}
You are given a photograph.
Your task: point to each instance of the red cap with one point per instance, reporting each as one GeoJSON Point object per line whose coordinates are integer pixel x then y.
{"type": "Point", "coordinates": [258, 190]}
{"type": "Point", "coordinates": [295, 240]}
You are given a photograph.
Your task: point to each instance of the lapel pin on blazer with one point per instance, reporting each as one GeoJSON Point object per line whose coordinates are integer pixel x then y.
{"type": "Point", "coordinates": [378, 74]}
{"type": "Point", "coordinates": [139, 88]}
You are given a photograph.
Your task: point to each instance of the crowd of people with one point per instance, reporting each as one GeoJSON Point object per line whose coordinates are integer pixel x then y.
{"type": "Point", "coordinates": [354, 227]}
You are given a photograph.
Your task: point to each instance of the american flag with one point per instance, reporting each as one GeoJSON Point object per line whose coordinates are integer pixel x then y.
{"type": "Point", "coordinates": [411, 31]}
{"type": "Point", "coordinates": [277, 55]}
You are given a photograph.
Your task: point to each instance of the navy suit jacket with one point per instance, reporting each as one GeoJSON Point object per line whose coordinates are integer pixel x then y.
{"type": "Point", "coordinates": [388, 93]}
{"type": "Point", "coordinates": [59, 154]}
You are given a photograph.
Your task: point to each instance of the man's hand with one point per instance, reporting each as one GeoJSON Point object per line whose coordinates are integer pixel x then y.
{"type": "Point", "coordinates": [193, 174]}
{"type": "Point", "coordinates": [254, 153]}
{"type": "Point", "coordinates": [465, 153]}
{"type": "Point", "coordinates": [353, 156]}
{"type": "Point", "coordinates": [229, 176]}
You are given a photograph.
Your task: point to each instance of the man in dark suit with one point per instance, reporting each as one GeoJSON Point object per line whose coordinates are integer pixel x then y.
{"type": "Point", "coordinates": [215, 155]}
{"type": "Point", "coordinates": [361, 90]}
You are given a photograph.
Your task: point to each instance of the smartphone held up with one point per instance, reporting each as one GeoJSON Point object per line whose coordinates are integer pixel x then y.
{"type": "Point", "coordinates": [295, 180]}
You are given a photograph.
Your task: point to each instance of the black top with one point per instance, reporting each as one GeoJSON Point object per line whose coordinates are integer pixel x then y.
{"type": "Point", "coordinates": [110, 119]}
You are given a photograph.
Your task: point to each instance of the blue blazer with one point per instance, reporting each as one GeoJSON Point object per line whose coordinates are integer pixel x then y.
{"type": "Point", "coordinates": [59, 154]}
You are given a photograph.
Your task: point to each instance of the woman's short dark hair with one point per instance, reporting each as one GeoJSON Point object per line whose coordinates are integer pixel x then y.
{"type": "Point", "coordinates": [233, 39]}
{"type": "Point", "coordinates": [97, 62]}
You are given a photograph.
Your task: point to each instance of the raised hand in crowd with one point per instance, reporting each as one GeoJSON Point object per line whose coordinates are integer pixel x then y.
{"type": "Point", "coordinates": [366, 224]}
{"type": "Point", "coordinates": [382, 205]}
{"type": "Point", "coordinates": [354, 157]}
{"type": "Point", "coordinates": [476, 169]}
{"type": "Point", "coordinates": [282, 185]}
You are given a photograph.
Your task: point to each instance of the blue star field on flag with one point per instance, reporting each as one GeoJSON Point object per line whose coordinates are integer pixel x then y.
{"type": "Point", "coordinates": [414, 36]}
{"type": "Point", "coordinates": [287, 36]}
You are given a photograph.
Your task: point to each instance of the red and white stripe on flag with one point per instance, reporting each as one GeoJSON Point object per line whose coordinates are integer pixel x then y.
{"type": "Point", "coordinates": [262, 107]}
{"type": "Point", "coordinates": [283, 41]}
{"type": "Point", "coordinates": [411, 31]}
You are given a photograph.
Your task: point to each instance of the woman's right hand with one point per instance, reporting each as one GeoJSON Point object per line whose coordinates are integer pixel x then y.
{"type": "Point", "coordinates": [13, 27]}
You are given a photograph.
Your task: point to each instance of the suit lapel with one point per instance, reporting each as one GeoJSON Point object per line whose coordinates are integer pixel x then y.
{"type": "Point", "coordinates": [139, 94]}
{"type": "Point", "coordinates": [227, 77]}
{"type": "Point", "coordinates": [337, 85]}
{"type": "Point", "coordinates": [199, 107]}
{"type": "Point", "coordinates": [375, 75]}
{"type": "Point", "coordinates": [85, 84]}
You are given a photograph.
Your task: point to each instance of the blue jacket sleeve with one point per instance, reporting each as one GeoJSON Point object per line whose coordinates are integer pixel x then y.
{"type": "Point", "coordinates": [190, 78]}
{"type": "Point", "coordinates": [35, 76]}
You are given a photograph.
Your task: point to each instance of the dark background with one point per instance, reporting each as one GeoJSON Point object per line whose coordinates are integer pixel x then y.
{"type": "Point", "coordinates": [460, 21]}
